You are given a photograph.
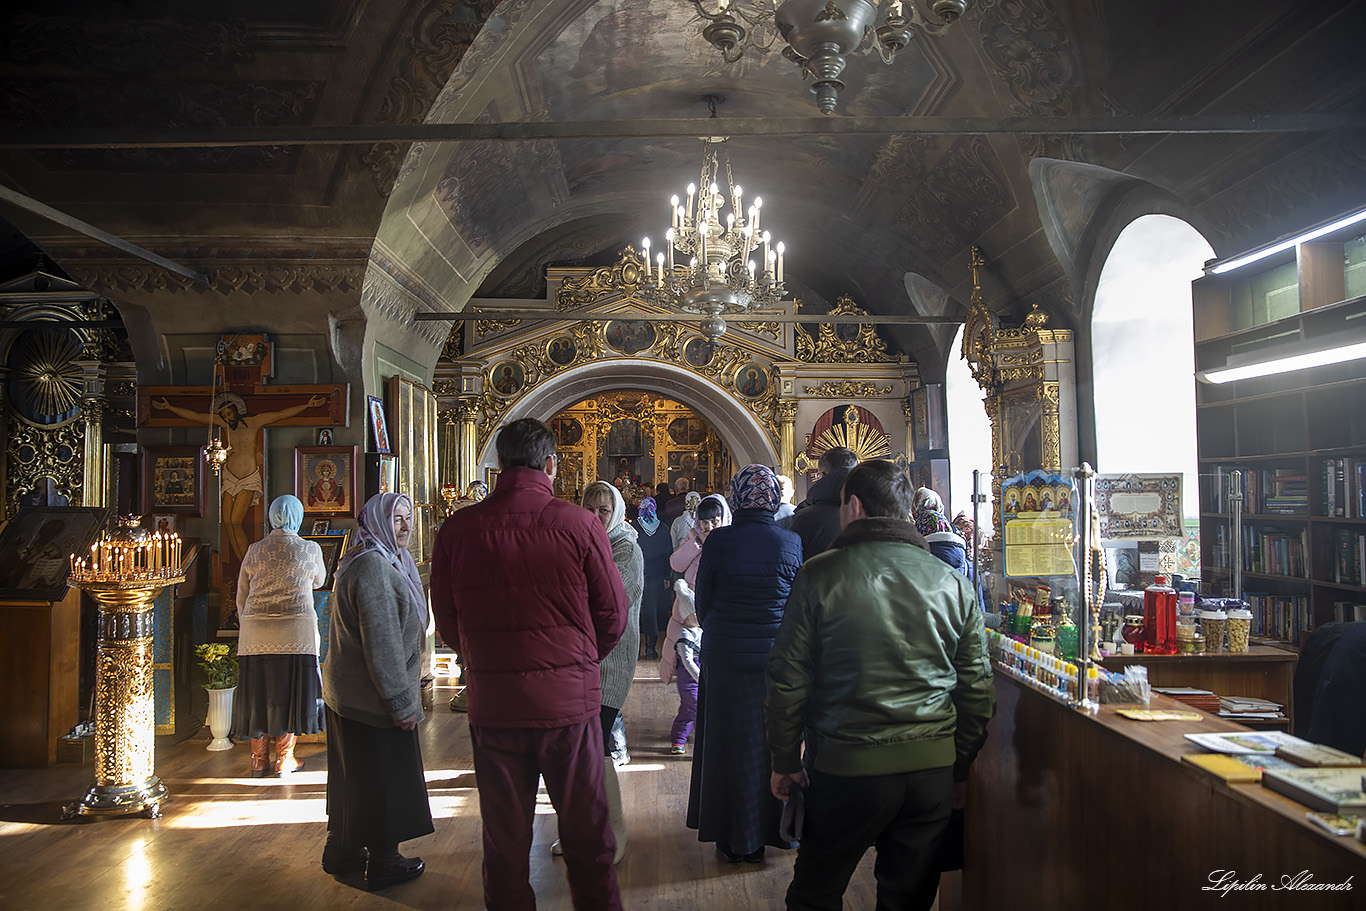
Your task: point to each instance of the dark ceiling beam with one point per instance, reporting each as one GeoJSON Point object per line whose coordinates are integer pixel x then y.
{"type": "Point", "coordinates": [29, 204]}
{"type": "Point", "coordinates": [635, 316]}
{"type": "Point", "coordinates": [367, 134]}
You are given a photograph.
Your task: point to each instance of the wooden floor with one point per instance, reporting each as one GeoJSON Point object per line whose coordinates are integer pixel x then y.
{"type": "Point", "coordinates": [225, 840]}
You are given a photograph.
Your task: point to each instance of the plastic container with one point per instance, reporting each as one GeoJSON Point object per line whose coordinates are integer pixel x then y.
{"type": "Point", "coordinates": [1159, 617]}
{"type": "Point", "coordinates": [1131, 635]}
{"type": "Point", "coordinates": [1212, 625]}
{"type": "Point", "coordinates": [1239, 629]}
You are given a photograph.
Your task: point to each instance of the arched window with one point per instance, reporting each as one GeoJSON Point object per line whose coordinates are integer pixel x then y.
{"type": "Point", "coordinates": [1143, 358]}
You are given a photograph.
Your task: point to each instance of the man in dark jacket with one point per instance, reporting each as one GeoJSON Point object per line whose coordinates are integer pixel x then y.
{"type": "Point", "coordinates": [525, 590]}
{"type": "Point", "coordinates": [817, 519]}
{"type": "Point", "coordinates": [881, 661]}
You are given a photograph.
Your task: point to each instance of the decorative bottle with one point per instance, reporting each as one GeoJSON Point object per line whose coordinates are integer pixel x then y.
{"type": "Point", "coordinates": [1159, 617]}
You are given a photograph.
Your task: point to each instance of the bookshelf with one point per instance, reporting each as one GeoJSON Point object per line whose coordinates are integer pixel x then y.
{"type": "Point", "coordinates": [1299, 438]}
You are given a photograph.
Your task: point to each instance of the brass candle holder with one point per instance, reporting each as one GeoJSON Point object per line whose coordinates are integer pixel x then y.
{"type": "Point", "coordinates": [125, 573]}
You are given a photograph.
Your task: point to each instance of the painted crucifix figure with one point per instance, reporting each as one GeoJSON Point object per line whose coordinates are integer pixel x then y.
{"type": "Point", "coordinates": [242, 482]}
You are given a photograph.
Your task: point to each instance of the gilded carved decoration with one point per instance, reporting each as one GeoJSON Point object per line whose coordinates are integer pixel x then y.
{"type": "Point", "coordinates": [451, 348]}
{"type": "Point", "coordinates": [608, 285]}
{"type": "Point", "coordinates": [33, 454]}
{"type": "Point", "coordinates": [833, 343]}
{"type": "Point", "coordinates": [485, 326]}
{"type": "Point", "coordinates": [446, 387]}
{"type": "Point", "coordinates": [846, 389]}
{"type": "Point", "coordinates": [769, 329]}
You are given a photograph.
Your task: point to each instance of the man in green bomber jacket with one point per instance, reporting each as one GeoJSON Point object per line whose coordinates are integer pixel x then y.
{"type": "Point", "coordinates": [881, 662]}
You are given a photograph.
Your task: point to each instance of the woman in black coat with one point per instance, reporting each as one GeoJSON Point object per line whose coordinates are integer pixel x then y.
{"type": "Point", "coordinates": [743, 581]}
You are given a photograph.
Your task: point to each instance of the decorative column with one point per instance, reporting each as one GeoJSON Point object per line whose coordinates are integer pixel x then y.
{"type": "Point", "coordinates": [468, 411]}
{"type": "Point", "coordinates": [94, 466]}
{"type": "Point", "coordinates": [787, 448]}
{"type": "Point", "coordinates": [908, 412]}
{"type": "Point", "coordinates": [127, 570]}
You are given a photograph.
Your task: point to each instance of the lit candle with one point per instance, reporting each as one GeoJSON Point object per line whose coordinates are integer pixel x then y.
{"type": "Point", "coordinates": [691, 190]}
{"type": "Point", "coordinates": [780, 262]}
{"type": "Point", "coordinates": [772, 267]}
{"type": "Point", "coordinates": [737, 204]}
{"type": "Point", "coordinates": [758, 210]}
{"type": "Point", "coordinates": [646, 257]}
{"type": "Point", "coordinates": [659, 259]}
{"type": "Point", "coordinates": [673, 210]}
{"type": "Point", "coordinates": [768, 256]}
{"type": "Point", "coordinates": [730, 222]}
{"type": "Point", "coordinates": [670, 245]}
{"type": "Point", "coordinates": [751, 270]}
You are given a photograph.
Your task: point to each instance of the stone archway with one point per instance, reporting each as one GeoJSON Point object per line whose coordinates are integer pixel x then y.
{"type": "Point", "coordinates": [739, 429]}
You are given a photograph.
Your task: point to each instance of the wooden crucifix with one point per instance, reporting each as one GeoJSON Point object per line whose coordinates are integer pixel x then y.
{"type": "Point", "coordinates": [241, 407]}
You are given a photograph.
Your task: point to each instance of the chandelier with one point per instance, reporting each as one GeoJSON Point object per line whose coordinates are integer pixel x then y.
{"type": "Point", "coordinates": [820, 34]}
{"type": "Point", "coordinates": [719, 273]}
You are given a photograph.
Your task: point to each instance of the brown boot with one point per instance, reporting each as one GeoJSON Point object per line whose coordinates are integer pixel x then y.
{"type": "Point", "coordinates": [259, 766]}
{"type": "Point", "coordinates": [284, 755]}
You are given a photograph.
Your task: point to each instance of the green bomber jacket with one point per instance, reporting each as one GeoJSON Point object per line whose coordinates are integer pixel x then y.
{"type": "Point", "coordinates": [882, 657]}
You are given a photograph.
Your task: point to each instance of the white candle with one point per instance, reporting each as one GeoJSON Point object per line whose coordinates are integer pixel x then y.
{"type": "Point", "coordinates": [780, 262]}
{"type": "Point", "coordinates": [691, 190]}
{"type": "Point", "coordinates": [660, 260]}
{"type": "Point", "coordinates": [673, 210]}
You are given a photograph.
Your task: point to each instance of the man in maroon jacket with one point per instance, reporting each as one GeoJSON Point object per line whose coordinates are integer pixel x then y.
{"type": "Point", "coordinates": [525, 591]}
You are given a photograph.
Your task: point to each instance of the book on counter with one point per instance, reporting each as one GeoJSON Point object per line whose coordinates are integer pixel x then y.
{"type": "Point", "coordinates": [1332, 789]}
{"type": "Point", "coordinates": [1224, 766]}
{"type": "Point", "coordinates": [1245, 741]}
{"type": "Point", "coordinates": [1318, 755]}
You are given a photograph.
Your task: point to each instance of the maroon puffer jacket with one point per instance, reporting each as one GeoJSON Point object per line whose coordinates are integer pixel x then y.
{"type": "Point", "coordinates": [525, 590]}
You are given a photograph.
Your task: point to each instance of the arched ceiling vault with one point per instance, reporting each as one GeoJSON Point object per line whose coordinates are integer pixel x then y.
{"type": "Point", "coordinates": [309, 222]}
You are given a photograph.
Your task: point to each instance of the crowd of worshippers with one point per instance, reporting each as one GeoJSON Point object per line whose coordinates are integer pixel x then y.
{"type": "Point", "coordinates": [829, 657]}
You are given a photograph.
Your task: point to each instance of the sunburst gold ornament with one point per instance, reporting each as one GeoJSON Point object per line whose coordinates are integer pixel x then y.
{"type": "Point", "coordinates": [864, 440]}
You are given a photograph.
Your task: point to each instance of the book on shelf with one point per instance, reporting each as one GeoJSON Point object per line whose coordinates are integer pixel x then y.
{"type": "Point", "coordinates": [1349, 553]}
{"type": "Point", "coordinates": [1319, 755]}
{"type": "Point", "coordinates": [1348, 611]}
{"type": "Point", "coordinates": [1261, 742]}
{"type": "Point", "coordinates": [1246, 704]}
{"type": "Point", "coordinates": [1335, 790]}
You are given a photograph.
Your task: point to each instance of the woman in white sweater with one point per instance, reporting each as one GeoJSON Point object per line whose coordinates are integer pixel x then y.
{"type": "Point", "coordinates": [279, 693]}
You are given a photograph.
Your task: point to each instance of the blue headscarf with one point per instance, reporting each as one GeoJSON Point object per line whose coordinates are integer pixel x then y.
{"type": "Point", "coordinates": [756, 487]}
{"type": "Point", "coordinates": [287, 513]}
{"type": "Point", "coordinates": [377, 534]}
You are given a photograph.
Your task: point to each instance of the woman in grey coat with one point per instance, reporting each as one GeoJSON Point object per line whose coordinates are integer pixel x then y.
{"type": "Point", "coordinates": [619, 667]}
{"type": "Point", "coordinates": [376, 791]}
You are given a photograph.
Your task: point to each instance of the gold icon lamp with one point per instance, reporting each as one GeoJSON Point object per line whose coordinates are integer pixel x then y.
{"type": "Point", "coordinates": [125, 573]}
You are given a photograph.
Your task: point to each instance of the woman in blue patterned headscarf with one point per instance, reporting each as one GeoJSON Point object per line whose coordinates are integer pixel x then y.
{"type": "Point", "coordinates": [656, 547]}
{"type": "Point", "coordinates": [745, 574]}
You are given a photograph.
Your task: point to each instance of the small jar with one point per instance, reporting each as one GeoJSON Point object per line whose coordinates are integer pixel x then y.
{"type": "Point", "coordinates": [1239, 629]}
{"type": "Point", "coordinates": [1213, 624]}
{"type": "Point", "coordinates": [1132, 632]}
{"type": "Point", "coordinates": [1043, 638]}
{"type": "Point", "coordinates": [1193, 646]}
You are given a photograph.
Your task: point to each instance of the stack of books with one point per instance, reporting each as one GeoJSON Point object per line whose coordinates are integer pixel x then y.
{"type": "Point", "coordinates": [1249, 708]}
{"type": "Point", "coordinates": [1204, 700]}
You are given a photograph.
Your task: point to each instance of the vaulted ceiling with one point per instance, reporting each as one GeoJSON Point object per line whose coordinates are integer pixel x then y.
{"type": "Point", "coordinates": [999, 134]}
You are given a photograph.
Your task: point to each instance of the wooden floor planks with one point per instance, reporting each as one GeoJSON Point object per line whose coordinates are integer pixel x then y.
{"type": "Point", "coordinates": [228, 840]}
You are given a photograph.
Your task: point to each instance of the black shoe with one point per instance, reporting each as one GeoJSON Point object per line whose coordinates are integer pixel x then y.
{"type": "Point", "coordinates": [390, 873]}
{"type": "Point", "coordinates": [755, 857]}
{"type": "Point", "coordinates": [651, 654]}
{"type": "Point", "coordinates": [727, 856]}
{"type": "Point", "coordinates": [339, 861]}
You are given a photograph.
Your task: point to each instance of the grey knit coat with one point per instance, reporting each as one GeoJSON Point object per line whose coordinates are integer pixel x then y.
{"type": "Point", "coordinates": [373, 669]}
{"type": "Point", "coordinates": [618, 669]}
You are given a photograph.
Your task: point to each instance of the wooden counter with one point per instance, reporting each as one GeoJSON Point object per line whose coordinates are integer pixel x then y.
{"type": "Point", "coordinates": [1069, 811]}
{"type": "Point", "coordinates": [1263, 672]}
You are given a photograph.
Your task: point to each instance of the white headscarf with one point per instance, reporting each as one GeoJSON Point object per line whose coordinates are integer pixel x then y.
{"type": "Point", "coordinates": [617, 527]}
{"type": "Point", "coordinates": [377, 534]}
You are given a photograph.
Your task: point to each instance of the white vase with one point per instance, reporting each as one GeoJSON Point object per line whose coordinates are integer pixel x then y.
{"type": "Point", "coordinates": [220, 717]}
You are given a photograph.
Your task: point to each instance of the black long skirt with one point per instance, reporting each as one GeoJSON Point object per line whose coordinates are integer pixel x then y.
{"type": "Point", "coordinates": [376, 790]}
{"type": "Point", "coordinates": [730, 801]}
{"type": "Point", "coordinates": [277, 694]}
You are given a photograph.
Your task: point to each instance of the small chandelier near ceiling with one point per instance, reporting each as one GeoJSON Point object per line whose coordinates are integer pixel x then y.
{"type": "Point", "coordinates": [718, 274]}
{"type": "Point", "coordinates": [821, 33]}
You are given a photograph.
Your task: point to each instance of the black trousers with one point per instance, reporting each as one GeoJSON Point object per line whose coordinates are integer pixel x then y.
{"type": "Point", "coordinates": [902, 815]}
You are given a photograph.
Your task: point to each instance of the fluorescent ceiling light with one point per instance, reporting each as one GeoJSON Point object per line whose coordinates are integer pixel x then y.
{"type": "Point", "coordinates": [1285, 364]}
{"type": "Point", "coordinates": [1304, 238]}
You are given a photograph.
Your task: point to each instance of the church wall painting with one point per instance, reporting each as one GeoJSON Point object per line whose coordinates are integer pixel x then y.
{"type": "Point", "coordinates": [173, 480]}
{"type": "Point", "coordinates": [325, 479]}
{"type": "Point", "coordinates": [36, 548]}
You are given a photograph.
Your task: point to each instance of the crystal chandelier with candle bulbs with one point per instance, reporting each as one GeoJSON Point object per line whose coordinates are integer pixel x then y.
{"type": "Point", "coordinates": [820, 34]}
{"type": "Point", "coordinates": [728, 262]}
